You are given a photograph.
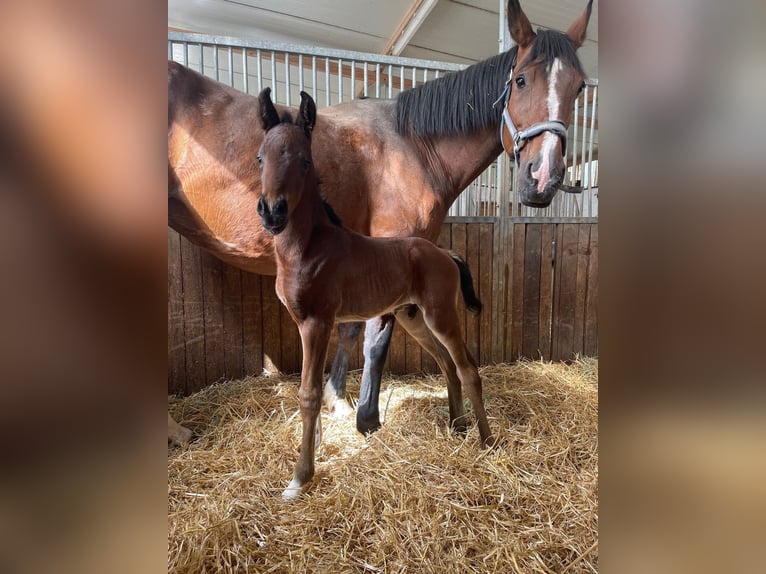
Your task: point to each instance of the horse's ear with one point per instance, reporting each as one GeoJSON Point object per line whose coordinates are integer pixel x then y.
{"type": "Point", "coordinates": [518, 25]}
{"type": "Point", "coordinates": [307, 113]}
{"type": "Point", "coordinates": [269, 115]}
{"type": "Point", "coordinates": [579, 27]}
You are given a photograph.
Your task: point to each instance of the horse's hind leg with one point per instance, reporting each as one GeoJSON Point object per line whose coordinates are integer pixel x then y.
{"type": "Point", "coordinates": [335, 389]}
{"type": "Point", "coordinates": [444, 324]}
{"type": "Point", "coordinates": [315, 337]}
{"type": "Point", "coordinates": [377, 337]}
{"type": "Point", "coordinates": [416, 326]}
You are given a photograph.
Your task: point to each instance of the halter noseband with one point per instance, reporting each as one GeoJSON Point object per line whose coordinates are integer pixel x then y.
{"type": "Point", "coordinates": [520, 137]}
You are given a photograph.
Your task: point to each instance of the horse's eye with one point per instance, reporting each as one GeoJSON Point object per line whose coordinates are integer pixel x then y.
{"type": "Point", "coordinates": [305, 164]}
{"type": "Point", "coordinates": [260, 159]}
{"type": "Point", "coordinates": [582, 87]}
{"type": "Point", "coordinates": [521, 82]}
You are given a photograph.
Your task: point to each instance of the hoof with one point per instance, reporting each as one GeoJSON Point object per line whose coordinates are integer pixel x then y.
{"type": "Point", "coordinates": [337, 406]}
{"type": "Point", "coordinates": [340, 408]}
{"type": "Point", "coordinates": [367, 426]}
{"type": "Point", "coordinates": [292, 492]}
{"type": "Point", "coordinates": [177, 434]}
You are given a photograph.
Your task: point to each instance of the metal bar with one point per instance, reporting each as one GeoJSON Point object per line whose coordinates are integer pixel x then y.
{"type": "Point", "coordinates": [259, 70]}
{"type": "Point", "coordinates": [327, 81]}
{"type": "Point", "coordinates": [590, 150]}
{"type": "Point", "coordinates": [287, 79]}
{"type": "Point", "coordinates": [300, 73]}
{"type": "Point", "coordinates": [340, 80]}
{"type": "Point", "coordinates": [389, 82]}
{"type": "Point", "coordinates": [274, 76]}
{"type": "Point", "coordinates": [314, 77]}
{"type": "Point", "coordinates": [401, 78]}
{"type": "Point", "coordinates": [230, 62]}
{"type": "Point", "coordinates": [377, 80]}
{"type": "Point", "coordinates": [186, 55]}
{"type": "Point", "coordinates": [353, 79]}
{"type": "Point", "coordinates": [201, 59]}
{"type": "Point", "coordinates": [215, 62]}
{"type": "Point", "coordinates": [244, 70]}
{"type": "Point", "coordinates": [365, 79]}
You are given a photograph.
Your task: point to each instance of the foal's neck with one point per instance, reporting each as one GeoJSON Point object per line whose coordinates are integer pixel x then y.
{"type": "Point", "coordinates": [307, 217]}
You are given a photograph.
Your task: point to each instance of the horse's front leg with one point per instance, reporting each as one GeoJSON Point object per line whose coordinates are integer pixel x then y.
{"type": "Point", "coordinates": [315, 337]}
{"type": "Point", "coordinates": [377, 338]}
{"type": "Point", "coordinates": [335, 389]}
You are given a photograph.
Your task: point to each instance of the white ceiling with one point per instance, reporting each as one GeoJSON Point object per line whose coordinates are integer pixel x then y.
{"type": "Point", "coordinates": [462, 31]}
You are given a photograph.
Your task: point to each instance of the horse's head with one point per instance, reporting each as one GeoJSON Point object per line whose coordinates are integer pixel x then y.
{"type": "Point", "coordinates": [542, 86]}
{"type": "Point", "coordinates": [284, 159]}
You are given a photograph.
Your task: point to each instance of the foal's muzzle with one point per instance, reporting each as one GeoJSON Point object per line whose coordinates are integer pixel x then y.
{"type": "Point", "coordinates": [274, 218]}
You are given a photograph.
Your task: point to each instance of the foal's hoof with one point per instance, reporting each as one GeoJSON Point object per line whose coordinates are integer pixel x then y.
{"type": "Point", "coordinates": [177, 435]}
{"type": "Point", "coordinates": [293, 491]}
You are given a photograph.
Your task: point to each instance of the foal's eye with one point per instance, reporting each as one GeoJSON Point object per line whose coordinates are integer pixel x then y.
{"type": "Point", "coordinates": [260, 159]}
{"type": "Point", "coordinates": [521, 81]}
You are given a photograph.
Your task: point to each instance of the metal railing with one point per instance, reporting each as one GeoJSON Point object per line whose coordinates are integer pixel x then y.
{"type": "Point", "coordinates": [334, 76]}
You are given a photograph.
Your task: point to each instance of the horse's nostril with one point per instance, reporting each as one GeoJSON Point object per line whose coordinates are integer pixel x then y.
{"type": "Point", "coordinates": [280, 207]}
{"type": "Point", "coordinates": [262, 207]}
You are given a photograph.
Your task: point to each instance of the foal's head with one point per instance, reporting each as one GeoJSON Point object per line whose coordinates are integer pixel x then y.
{"type": "Point", "coordinates": [546, 78]}
{"type": "Point", "coordinates": [284, 159]}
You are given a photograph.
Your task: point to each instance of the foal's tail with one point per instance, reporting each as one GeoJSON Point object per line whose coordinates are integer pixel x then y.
{"type": "Point", "coordinates": [472, 302]}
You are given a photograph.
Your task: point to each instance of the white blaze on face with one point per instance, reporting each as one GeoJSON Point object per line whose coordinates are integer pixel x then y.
{"type": "Point", "coordinates": [543, 173]}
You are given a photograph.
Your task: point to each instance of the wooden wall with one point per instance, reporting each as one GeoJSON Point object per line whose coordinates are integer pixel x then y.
{"type": "Point", "coordinates": [539, 287]}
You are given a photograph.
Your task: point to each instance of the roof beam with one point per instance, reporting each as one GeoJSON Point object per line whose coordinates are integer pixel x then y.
{"type": "Point", "coordinates": [418, 12]}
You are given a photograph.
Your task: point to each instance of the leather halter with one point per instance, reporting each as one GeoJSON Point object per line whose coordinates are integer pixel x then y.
{"type": "Point", "coordinates": [520, 137]}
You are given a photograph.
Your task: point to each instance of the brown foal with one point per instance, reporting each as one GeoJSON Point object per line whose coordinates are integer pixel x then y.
{"type": "Point", "coordinates": [328, 273]}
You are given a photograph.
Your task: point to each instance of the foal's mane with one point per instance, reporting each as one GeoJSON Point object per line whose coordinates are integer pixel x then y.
{"type": "Point", "coordinates": [461, 102]}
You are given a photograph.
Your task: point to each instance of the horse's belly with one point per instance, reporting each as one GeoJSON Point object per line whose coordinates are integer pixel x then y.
{"type": "Point", "coordinates": [357, 311]}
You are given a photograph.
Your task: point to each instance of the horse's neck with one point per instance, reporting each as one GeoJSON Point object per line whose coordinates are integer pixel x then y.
{"type": "Point", "coordinates": [459, 159]}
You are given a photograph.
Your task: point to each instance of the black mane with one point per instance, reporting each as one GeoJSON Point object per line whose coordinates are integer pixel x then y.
{"type": "Point", "coordinates": [461, 102]}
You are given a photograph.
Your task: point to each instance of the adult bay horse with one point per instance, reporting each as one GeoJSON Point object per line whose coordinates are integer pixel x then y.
{"type": "Point", "coordinates": [390, 167]}
{"type": "Point", "coordinates": [328, 273]}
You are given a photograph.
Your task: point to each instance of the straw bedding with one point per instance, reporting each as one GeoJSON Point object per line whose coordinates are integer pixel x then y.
{"type": "Point", "coordinates": [413, 497]}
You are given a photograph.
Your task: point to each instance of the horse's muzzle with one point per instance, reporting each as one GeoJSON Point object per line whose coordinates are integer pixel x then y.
{"type": "Point", "coordinates": [274, 218]}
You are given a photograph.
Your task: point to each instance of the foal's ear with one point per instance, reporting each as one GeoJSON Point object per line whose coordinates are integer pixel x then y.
{"type": "Point", "coordinates": [307, 113]}
{"type": "Point", "coordinates": [518, 25]}
{"type": "Point", "coordinates": [269, 115]}
{"type": "Point", "coordinates": [579, 27]}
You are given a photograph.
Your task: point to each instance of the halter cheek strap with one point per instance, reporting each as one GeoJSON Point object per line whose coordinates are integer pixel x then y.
{"type": "Point", "coordinates": [520, 137]}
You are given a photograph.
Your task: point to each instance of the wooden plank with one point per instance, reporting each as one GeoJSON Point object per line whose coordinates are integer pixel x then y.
{"type": "Point", "coordinates": [194, 320]}
{"type": "Point", "coordinates": [233, 353]}
{"type": "Point", "coordinates": [531, 304]}
{"type": "Point", "coordinates": [472, 321]}
{"type": "Point", "coordinates": [558, 250]}
{"type": "Point", "coordinates": [547, 263]}
{"type": "Point", "coordinates": [517, 289]}
{"type": "Point", "coordinates": [486, 256]}
{"type": "Point", "coordinates": [176, 338]}
{"type": "Point", "coordinates": [252, 324]}
{"type": "Point", "coordinates": [396, 362]}
{"type": "Point", "coordinates": [272, 325]}
{"type": "Point", "coordinates": [583, 242]}
{"type": "Point", "coordinates": [590, 346]}
{"type": "Point", "coordinates": [212, 291]}
{"type": "Point", "coordinates": [566, 279]}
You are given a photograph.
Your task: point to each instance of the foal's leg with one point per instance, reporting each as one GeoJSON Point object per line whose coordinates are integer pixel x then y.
{"type": "Point", "coordinates": [444, 323]}
{"type": "Point", "coordinates": [335, 389]}
{"type": "Point", "coordinates": [315, 337]}
{"type": "Point", "coordinates": [416, 327]}
{"type": "Point", "coordinates": [377, 337]}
